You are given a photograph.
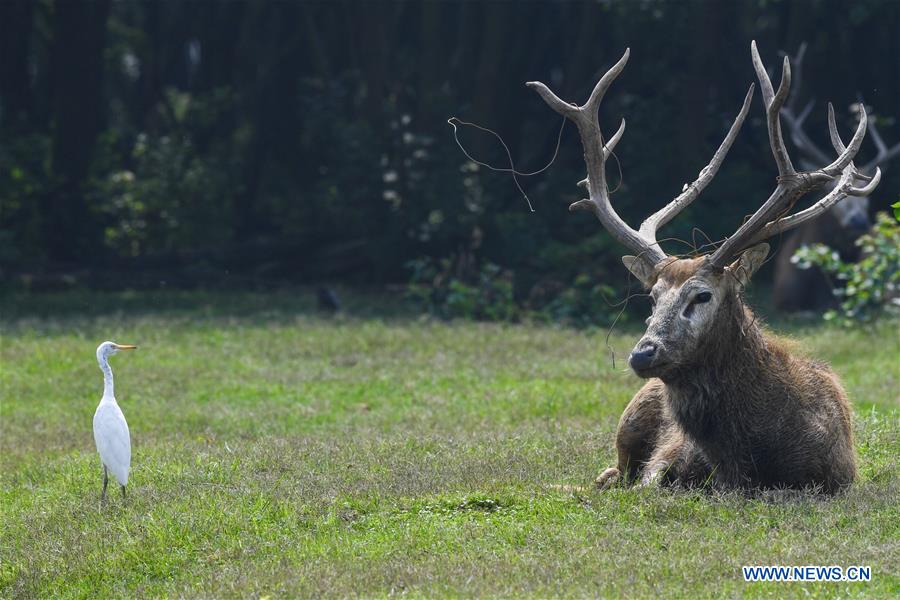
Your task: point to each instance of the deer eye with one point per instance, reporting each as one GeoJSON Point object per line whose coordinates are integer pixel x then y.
{"type": "Point", "coordinates": [702, 297]}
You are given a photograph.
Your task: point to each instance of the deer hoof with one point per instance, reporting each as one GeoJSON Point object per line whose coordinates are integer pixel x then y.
{"type": "Point", "coordinates": [607, 478]}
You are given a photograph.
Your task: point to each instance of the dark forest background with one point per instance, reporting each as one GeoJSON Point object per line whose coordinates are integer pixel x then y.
{"type": "Point", "coordinates": [245, 143]}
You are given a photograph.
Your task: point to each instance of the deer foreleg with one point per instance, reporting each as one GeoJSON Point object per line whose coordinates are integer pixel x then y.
{"type": "Point", "coordinates": [668, 452]}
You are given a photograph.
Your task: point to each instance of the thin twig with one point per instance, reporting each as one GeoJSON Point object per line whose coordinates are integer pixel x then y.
{"type": "Point", "coordinates": [512, 167]}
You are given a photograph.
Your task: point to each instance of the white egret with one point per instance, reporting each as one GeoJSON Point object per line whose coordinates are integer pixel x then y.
{"type": "Point", "coordinates": [110, 429]}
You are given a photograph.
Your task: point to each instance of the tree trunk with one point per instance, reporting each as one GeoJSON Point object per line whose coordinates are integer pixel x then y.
{"type": "Point", "coordinates": [79, 36]}
{"type": "Point", "coordinates": [15, 35]}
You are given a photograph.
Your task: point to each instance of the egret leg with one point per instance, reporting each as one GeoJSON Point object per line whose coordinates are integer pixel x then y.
{"type": "Point", "coordinates": [123, 492]}
{"type": "Point", "coordinates": [105, 482]}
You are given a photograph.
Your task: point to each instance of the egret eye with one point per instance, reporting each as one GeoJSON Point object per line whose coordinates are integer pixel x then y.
{"type": "Point", "coordinates": [703, 297]}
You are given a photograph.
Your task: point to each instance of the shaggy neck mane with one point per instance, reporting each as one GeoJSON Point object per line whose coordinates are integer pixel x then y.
{"type": "Point", "coordinates": [737, 348]}
{"type": "Point", "coordinates": [713, 398]}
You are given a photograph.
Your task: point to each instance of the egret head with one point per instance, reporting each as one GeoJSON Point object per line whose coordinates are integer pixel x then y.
{"type": "Point", "coordinates": [107, 349]}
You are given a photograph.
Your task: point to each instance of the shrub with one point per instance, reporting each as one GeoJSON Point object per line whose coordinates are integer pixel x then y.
{"type": "Point", "coordinates": [462, 287]}
{"type": "Point", "coordinates": [584, 303]}
{"type": "Point", "coordinates": [166, 195]}
{"type": "Point", "coordinates": [448, 289]}
{"type": "Point", "coordinates": [866, 288]}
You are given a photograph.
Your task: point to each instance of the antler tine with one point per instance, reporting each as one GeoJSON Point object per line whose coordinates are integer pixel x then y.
{"type": "Point", "coordinates": [791, 185]}
{"type": "Point", "coordinates": [843, 188]}
{"type": "Point", "coordinates": [805, 112]}
{"type": "Point", "coordinates": [800, 138]}
{"type": "Point", "coordinates": [593, 103]}
{"type": "Point", "coordinates": [840, 191]}
{"type": "Point", "coordinates": [770, 219]}
{"type": "Point", "coordinates": [553, 101]}
{"type": "Point", "coordinates": [850, 151]}
{"type": "Point", "coordinates": [595, 155]}
{"type": "Point", "coordinates": [836, 140]}
{"type": "Point", "coordinates": [607, 149]}
{"type": "Point", "coordinates": [643, 241]}
{"type": "Point", "coordinates": [798, 60]}
{"type": "Point", "coordinates": [614, 140]}
{"type": "Point", "coordinates": [584, 112]}
{"type": "Point", "coordinates": [797, 68]}
{"type": "Point", "coordinates": [650, 226]}
{"type": "Point", "coordinates": [885, 154]}
{"type": "Point", "coordinates": [869, 187]}
{"type": "Point", "coordinates": [880, 146]}
{"type": "Point", "coordinates": [765, 84]}
{"type": "Point", "coordinates": [774, 102]}
{"type": "Point", "coordinates": [838, 144]}
{"type": "Point", "coordinates": [811, 154]}
{"type": "Point", "coordinates": [774, 122]}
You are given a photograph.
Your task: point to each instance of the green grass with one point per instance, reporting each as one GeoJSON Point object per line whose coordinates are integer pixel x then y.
{"type": "Point", "coordinates": [278, 453]}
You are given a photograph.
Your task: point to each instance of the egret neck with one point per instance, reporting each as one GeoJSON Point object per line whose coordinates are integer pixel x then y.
{"type": "Point", "coordinates": [108, 394]}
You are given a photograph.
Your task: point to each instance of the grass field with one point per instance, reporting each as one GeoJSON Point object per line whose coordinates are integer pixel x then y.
{"type": "Point", "coordinates": [279, 453]}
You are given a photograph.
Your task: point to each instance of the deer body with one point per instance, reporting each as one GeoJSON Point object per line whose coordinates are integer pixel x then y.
{"type": "Point", "coordinates": [795, 289]}
{"type": "Point", "coordinates": [725, 402]}
{"type": "Point", "coordinates": [735, 409]}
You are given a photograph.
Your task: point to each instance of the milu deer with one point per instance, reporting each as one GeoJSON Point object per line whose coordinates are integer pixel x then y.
{"type": "Point", "coordinates": [726, 403]}
{"type": "Point", "coordinates": [798, 289]}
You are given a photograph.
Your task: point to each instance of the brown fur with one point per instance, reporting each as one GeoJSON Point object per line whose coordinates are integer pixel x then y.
{"type": "Point", "coordinates": [795, 289]}
{"type": "Point", "coordinates": [733, 407]}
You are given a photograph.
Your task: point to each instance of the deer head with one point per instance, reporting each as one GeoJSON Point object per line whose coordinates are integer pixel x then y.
{"type": "Point", "coordinates": [691, 301]}
{"type": "Point", "coordinates": [694, 296]}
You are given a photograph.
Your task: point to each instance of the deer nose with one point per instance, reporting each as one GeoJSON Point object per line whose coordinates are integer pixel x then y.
{"type": "Point", "coordinates": [642, 356]}
{"type": "Point", "coordinates": [859, 222]}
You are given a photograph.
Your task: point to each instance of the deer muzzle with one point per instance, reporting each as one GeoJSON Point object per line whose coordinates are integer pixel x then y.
{"type": "Point", "coordinates": [643, 356]}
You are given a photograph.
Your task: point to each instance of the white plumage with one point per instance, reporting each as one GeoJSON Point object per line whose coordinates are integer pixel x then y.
{"type": "Point", "coordinates": [110, 428]}
{"type": "Point", "coordinates": [113, 439]}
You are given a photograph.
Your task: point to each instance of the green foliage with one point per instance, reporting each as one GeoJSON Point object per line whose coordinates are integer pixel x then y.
{"type": "Point", "coordinates": [167, 195]}
{"type": "Point", "coordinates": [443, 290]}
{"type": "Point", "coordinates": [866, 288]}
{"type": "Point", "coordinates": [25, 180]}
{"type": "Point", "coordinates": [459, 287]}
{"type": "Point", "coordinates": [303, 140]}
{"type": "Point", "coordinates": [174, 199]}
{"type": "Point", "coordinates": [585, 302]}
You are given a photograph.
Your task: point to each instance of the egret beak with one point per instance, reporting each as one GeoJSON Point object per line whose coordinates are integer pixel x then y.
{"type": "Point", "coordinates": [125, 347]}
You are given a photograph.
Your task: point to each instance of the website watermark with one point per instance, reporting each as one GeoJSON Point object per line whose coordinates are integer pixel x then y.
{"type": "Point", "coordinates": [807, 573]}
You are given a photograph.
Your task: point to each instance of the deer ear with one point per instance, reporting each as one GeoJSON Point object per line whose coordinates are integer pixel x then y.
{"type": "Point", "coordinates": [641, 269]}
{"type": "Point", "coordinates": [748, 262]}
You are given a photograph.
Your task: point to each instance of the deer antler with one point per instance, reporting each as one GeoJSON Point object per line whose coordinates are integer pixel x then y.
{"type": "Point", "coordinates": [770, 218]}
{"type": "Point", "coordinates": [843, 187]}
{"type": "Point", "coordinates": [643, 242]}
{"type": "Point", "coordinates": [794, 122]}
{"type": "Point", "coordinates": [812, 153]}
{"type": "Point", "coordinates": [884, 154]}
